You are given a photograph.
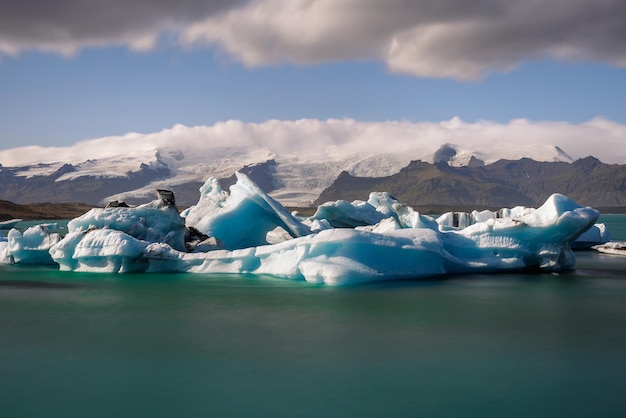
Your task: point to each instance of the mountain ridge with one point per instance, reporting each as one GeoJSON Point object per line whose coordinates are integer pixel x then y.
{"type": "Point", "coordinates": [505, 183]}
{"type": "Point", "coordinates": [130, 168]}
{"type": "Point", "coordinates": [449, 175]}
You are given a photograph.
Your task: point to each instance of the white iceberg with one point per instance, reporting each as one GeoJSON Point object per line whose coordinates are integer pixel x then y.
{"type": "Point", "coordinates": [612, 247]}
{"type": "Point", "coordinates": [113, 239]}
{"type": "Point", "coordinates": [597, 234]}
{"type": "Point", "coordinates": [30, 247]}
{"type": "Point", "coordinates": [460, 220]}
{"type": "Point", "coordinates": [538, 239]}
{"type": "Point", "coordinates": [8, 224]}
{"type": "Point", "coordinates": [380, 207]}
{"type": "Point", "coordinates": [261, 237]}
{"type": "Point", "coordinates": [5, 258]}
{"type": "Point", "coordinates": [335, 256]}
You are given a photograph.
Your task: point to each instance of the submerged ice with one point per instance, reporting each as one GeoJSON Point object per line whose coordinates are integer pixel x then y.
{"type": "Point", "coordinates": [246, 231]}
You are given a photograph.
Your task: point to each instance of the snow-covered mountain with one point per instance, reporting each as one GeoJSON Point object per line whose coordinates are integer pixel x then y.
{"type": "Point", "coordinates": [298, 179]}
{"type": "Point", "coordinates": [307, 156]}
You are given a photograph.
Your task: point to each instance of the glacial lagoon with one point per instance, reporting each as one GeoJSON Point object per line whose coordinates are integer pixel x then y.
{"type": "Point", "coordinates": [161, 345]}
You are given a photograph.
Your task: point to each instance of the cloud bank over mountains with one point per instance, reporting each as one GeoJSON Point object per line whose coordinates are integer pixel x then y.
{"type": "Point", "coordinates": [336, 138]}
{"type": "Point", "coordinates": [443, 39]}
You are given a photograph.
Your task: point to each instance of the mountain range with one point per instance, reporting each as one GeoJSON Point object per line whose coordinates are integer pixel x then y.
{"type": "Point", "coordinates": [450, 175]}
{"type": "Point", "coordinates": [504, 183]}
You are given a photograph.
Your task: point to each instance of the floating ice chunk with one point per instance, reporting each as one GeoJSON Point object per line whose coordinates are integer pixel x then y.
{"type": "Point", "coordinates": [552, 210]}
{"type": "Point", "coordinates": [460, 220]}
{"type": "Point", "coordinates": [401, 217]}
{"type": "Point", "coordinates": [454, 220]}
{"type": "Point", "coordinates": [341, 214]}
{"type": "Point", "coordinates": [112, 239]}
{"type": "Point", "coordinates": [243, 218]}
{"type": "Point", "coordinates": [335, 256]}
{"type": "Point", "coordinates": [152, 222]}
{"type": "Point", "coordinates": [317, 225]}
{"type": "Point", "coordinates": [386, 225]}
{"type": "Point", "coordinates": [32, 246]}
{"type": "Point", "coordinates": [348, 257]}
{"type": "Point", "coordinates": [556, 203]}
{"type": "Point", "coordinates": [482, 216]}
{"type": "Point", "coordinates": [383, 202]}
{"type": "Point", "coordinates": [100, 250]}
{"type": "Point", "coordinates": [612, 247]}
{"type": "Point", "coordinates": [541, 239]}
{"type": "Point", "coordinates": [516, 212]}
{"type": "Point", "coordinates": [598, 234]}
{"type": "Point", "coordinates": [402, 244]}
{"type": "Point", "coordinates": [212, 199]}
{"type": "Point", "coordinates": [5, 258]}
{"type": "Point", "coordinates": [8, 224]}
{"type": "Point", "coordinates": [379, 206]}
{"type": "Point", "coordinates": [277, 235]}
{"type": "Point", "coordinates": [409, 218]}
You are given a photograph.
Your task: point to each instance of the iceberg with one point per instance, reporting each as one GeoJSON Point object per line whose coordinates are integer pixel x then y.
{"type": "Point", "coordinates": [244, 218]}
{"type": "Point", "coordinates": [380, 207]}
{"type": "Point", "coordinates": [597, 235]}
{"type": "Point", "coordinates": [8, 224]}
{"type": "Point", "coordinates": [247, 232]}
{"type": "Point", "coordinates": [334, 257]}
{"type": "Point", "coordinates": [30, 247]}
{"type": "Point", "coordinates": [539, 239]}
{"type": "Point", "coordinates": [113, 239]}
{"type": "Point", "coordinates": [612, 247]}
{"type": "Point", "coordinates": [5, 258]}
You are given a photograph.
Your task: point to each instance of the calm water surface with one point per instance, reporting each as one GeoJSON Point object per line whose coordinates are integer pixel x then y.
{"type": "Point", "coordinates": [515, 345]}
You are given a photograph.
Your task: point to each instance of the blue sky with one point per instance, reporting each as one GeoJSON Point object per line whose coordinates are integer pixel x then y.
{"type": "Point", "coordinates": [145, 75]}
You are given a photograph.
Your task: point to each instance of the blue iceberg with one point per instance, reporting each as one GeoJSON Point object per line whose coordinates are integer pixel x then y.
{"type": "Point", "coordinates": [246, 231]}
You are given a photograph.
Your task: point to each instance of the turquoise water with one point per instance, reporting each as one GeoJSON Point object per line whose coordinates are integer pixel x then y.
{"type": "Point", "coordinates": [515, 345]}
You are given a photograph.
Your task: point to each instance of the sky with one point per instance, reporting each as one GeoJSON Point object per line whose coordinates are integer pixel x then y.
{"type": "Point", "coordinates": [73, 71]}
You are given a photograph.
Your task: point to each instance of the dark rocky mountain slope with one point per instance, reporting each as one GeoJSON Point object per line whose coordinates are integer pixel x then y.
{"type": "Point", "coordinates": [94, 190]}
{"type": "Point", "coordinates": [87, 189]}
{"type": "Point", "coordinates": [504, 183]}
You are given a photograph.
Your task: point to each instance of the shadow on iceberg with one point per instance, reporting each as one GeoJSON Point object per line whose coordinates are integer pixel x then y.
{"type": "Point", "coordinates": [247, 232]}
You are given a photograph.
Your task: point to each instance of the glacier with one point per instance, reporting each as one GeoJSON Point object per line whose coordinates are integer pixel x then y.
{"type": "Point", "coordinates": [248, 232]}
{"type": "Point", "coordinates": [181, 155]}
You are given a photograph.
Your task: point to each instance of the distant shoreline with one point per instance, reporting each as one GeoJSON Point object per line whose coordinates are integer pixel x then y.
{"type": "Point", "coordinates": [39, 211]}
{"type": "Point", "coordinates": [47, 210]}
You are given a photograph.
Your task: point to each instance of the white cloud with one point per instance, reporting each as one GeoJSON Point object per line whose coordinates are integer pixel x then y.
{"type": "Point", "coordinates": [446, 38]}
{"type": "Point", "coordinates": [601, 138]}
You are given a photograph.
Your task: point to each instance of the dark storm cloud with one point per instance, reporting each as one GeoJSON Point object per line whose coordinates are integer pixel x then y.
{"type": "Point", "coordinates": [68, 25]}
